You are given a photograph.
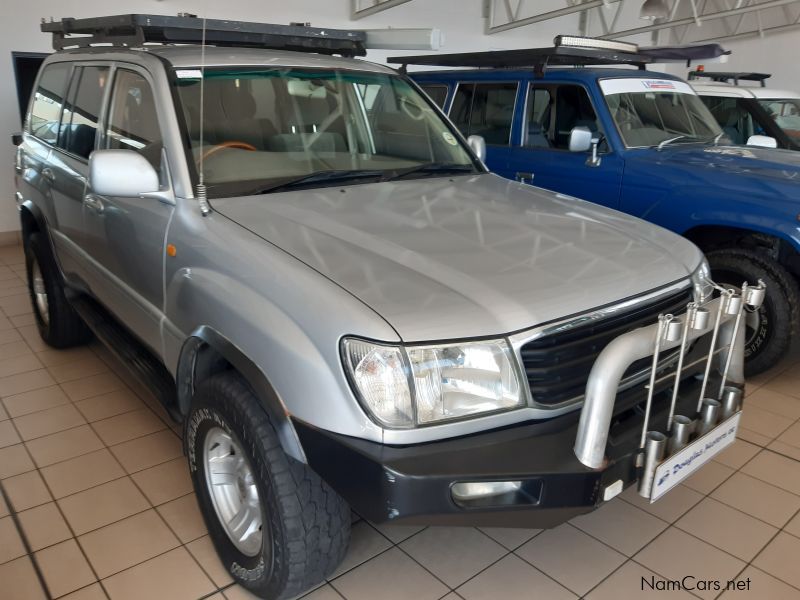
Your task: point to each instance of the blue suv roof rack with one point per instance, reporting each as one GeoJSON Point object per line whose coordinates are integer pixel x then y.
{"type": "Point", "coordinates": [139, 29]}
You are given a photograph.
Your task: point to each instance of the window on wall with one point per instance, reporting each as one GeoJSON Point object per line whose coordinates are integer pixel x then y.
{"type": "Point", "coordinates": [48, 100]}
{"type": "Point", "coordinates": [132, 122]}
{"type": "Point", "coordinates": [82, 111]}
{"type": "Point", "coordinates": [485, 109]}
{"type": "Point", "coordinates": [437, 93]}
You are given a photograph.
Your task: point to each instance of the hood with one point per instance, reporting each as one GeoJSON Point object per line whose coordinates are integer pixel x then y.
{"type": "Point", "coordinates": [469, 256]}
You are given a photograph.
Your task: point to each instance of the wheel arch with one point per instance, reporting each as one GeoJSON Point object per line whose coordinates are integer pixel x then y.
{"type": "Point", "coordinates": [207, 352]}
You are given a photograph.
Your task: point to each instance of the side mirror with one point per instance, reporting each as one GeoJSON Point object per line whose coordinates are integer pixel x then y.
{"type": "Point", "coordinates": [762, 141]}
{"type": "Point", "coordinates": [478, 145]}
{"type": "Point", "coordinates": [125, 174]}
{"type": "Point", "coordinates": [580, 139]}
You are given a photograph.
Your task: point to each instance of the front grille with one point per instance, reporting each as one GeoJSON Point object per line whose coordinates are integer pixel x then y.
{"type": "Point", "coordinates": [558, 365]}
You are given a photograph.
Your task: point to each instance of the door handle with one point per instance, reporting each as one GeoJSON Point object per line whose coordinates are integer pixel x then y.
{"type": "Point", "coordinates": [47, 173]}
{"type": "Point", "coordinates": [93, 203]}
{"type": "Point", "coordinates": [524, 177]}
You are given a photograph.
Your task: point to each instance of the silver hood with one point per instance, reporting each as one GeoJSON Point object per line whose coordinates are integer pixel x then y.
{"type": "Point", "coordinates": [469, 256]}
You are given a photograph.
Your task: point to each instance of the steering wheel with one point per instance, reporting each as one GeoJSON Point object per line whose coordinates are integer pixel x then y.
{"type": "Point", "coordinates": [230, 144]}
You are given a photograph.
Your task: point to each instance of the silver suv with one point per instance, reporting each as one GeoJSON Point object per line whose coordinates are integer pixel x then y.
{"type": "Point", "coordinates": [315, 273]}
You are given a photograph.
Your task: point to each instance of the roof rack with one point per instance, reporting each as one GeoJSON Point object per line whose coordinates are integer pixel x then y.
{"type": "Point", "coordinates": [140, 29]}
{"type": "Point", "coordinates": [726, 77]}
{"type": "Point", "coordinates": [685, 53]}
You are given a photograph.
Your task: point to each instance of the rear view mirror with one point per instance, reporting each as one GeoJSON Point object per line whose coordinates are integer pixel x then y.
{"type": "Point", "coordinates": [580, 139]}
{"type": "Point", "coordinates": [122, 173]}
{"type": "Point", "coordinates": [762, 141]}
{"type": "Point", "coordinates": [478, 145]}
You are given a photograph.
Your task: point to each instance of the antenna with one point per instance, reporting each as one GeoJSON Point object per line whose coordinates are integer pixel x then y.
{"type": "Point", "coordinates": [202, 197]}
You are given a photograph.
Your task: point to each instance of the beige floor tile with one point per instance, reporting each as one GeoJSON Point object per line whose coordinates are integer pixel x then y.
{"type": "Point", "coordinates": [237, 592]}
{"type": "Point", "coordinates": [792, 435]}
{"type": "Point", "coordinates": [13, 287]}
{"type": "Point", "coordinates": [53, 358]}
{"type": "Point", "coordinates": [775, 469]}
{"type": "Point", "coordinates": [81, 473]}
{"type": "Point", "coordinates": [174, 575]}
{"type": "Point", "coordinates": [64, 445]}
{"type": "Point", "coordinates": [11, 546]}
{"type": "Point", "coordinates": [184, 518]}
{"type": "Point", "coordinates": [148, 451]}
{"type": "Point", "coordinates": [758, 498]}
{"type": "Point", "coordinates": [32, 337]}
{"type": "Point", "coordinates": [709, 477]}
{"type": "Point", "coordinates": [326, 592]}
{"type": "Point", "coordinates": [766, 423]}
{"type": "Point", "coordinates": [26, 491]}
{"type": "Point", "coordinates": [64, 568]}
{"type": "Point", "coordinates": [128, 426]}
{"type": "Point", "coordinates": [206, 555]}
{"type": "Point", "coordinates": [512, 577]}
{"type": "Point", "coordinates": [676, 554]}
{"type": "Point", "coordinates": [786, 450]}
{"type": "Point", "coordinates": [92, 386]}
{"type": "Point", "coordinates": [727, 528]}
{"type": "Point", "coordinates": [760, 585]}
{"type": "Point", "coordinates": [109, 405]}
{"type": "Point", "coordinates": [621, 525]}
{"type": "Point", "coordinates": [3, 414]}
{"type": "Point", "coordinates": [25, 382]}
{"type": "Point", "coordinates": [44, 526]}
{"type": "Point", "coordinates": [793, 526]}
{"type": "Point", "coordinates": [365, 542]}
{"type": "Point", "coordinates": [397, 533]}
{"type": "Point", "coordinates": [389, 576]}
{"type": "Point", "coordinates": [78, 369]}
{"type": "Point", "coordinates": [8, 435]}
{"type": "Point", "coordinates": [453, 554]}
{"type": "Point", "coordinates": [775, 402]}
{"type": "Point", "coordinates": [91, 592]}
{"type": "Point", "coordinates": [16, 305]}
{"type": "Point", "coordinates": [633, 581]}
{"type": "Point", "coordinates": [165, 482]}
{"type": "Point", "coordinates": [51, 420]}
{"type": "Point", "coordinates": [557, 551]}
{"type": "Point", "coordinates": [19, 364]}
{"type": "Point", "coordinates": [509, 537]}
{"type": "Point", "coordinates": [102, 505]}
{"type": "Point", "coordinates": [13, 349]}
{"type": "Point", "coordinates": [23, 320]}
{"type": "Point", "coordinates": [20, 581]}
{"type": "Point", "coordinates": [3, 507]}
{"type": "Point", "coordinates": [35, 400]}
{"type": "Point", "coordinates": [14, 460]}
{"type": "Point", "coordinates": [754, 438]}
{"type": "Point", "coordinates": [787, 385]}
{"type": "Point", "coordinates": [737, 454]}
{"type": "Point", "coordinates": [779, 559]}
{"type": "Point", "coordinates": [145, 535]}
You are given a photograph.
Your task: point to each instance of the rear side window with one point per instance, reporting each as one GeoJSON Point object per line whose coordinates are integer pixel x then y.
{"type": "Point", "coordinates": [82, 111]}
{"type": "Point", "coordinates": [132, 122]}
{"type": "Point", "coordinates": [437, 93]}
{"type": "Point", "coordinates": [734, 118]}
{"type": "Point", "coordinates": [47, 102]}
{"type": "Point", "coordinates": [485, 109]}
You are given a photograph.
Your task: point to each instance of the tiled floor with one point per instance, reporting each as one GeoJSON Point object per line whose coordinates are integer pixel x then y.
{"type": "Point", "coordinates": [97, 504]}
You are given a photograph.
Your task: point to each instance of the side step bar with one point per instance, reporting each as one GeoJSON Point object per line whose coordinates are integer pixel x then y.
{"type": "Point", "coordinates": [139, 361]}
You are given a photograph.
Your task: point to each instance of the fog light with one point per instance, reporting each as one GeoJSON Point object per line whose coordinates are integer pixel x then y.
{"type": "Point", "coordinates": [483, 489]}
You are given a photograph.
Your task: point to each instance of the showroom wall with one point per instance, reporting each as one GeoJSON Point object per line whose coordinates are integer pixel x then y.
{"type": "Point", "coordinates": [461, 21]}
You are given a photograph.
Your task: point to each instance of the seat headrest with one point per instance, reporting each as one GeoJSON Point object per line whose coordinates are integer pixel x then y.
{"type": "Point", "coordinates": [237, 102]}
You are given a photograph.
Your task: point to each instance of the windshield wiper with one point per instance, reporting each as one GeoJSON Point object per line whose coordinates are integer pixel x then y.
{"type": "Point", "coordinates": [670, 140]}
{"type": "Point", "coordinates": [324, 177]}
{"type": "Point", "coordinates": [428, 169]}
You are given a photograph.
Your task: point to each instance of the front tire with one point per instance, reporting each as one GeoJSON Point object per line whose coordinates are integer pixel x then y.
{"type": "Point", "coordinates": [278, 528]}
{"type": "Point", "coordinates": [768, 331]}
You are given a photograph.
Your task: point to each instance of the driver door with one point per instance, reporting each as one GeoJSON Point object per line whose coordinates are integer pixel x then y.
{"type": "Point", "coordinates": [126, 235]}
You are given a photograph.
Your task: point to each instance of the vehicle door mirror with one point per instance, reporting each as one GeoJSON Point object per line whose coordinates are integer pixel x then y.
{"type": "Point", "coordinates": [580, 139]}
{"type": "Point", "coordinates": [478, 145]}
{"type": "Point", "coordinates": [762, 141]}
{"type": "Point", "coordinates": [123, 173]}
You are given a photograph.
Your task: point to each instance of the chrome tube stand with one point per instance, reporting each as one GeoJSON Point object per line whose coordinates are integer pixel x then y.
{"type": "Point", "coordinates": [752, 298]}
{"type": "Point", "coordinates": [724, 300]}
{"type": "Point", "coordinates": [652, 443]}
{"type": "Point", "coordinates": [688, 319]}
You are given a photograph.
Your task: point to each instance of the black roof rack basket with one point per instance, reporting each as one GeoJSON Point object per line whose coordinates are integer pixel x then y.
{"type": "Point", "coordinates": [140, 29]}
{"type": "Point", "coordinates": [725, 76]}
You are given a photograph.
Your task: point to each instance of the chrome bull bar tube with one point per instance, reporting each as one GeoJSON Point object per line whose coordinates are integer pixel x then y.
{"type": "Point", "coordinates": [604, 379]}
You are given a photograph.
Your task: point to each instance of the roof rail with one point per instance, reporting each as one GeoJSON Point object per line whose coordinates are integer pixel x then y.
{"type": "Point", "coordinates": [140, 29]}
{"type": "Point", "coordinates": [726, 77]}
{"type": "Point", "coordinates": [685, 53]}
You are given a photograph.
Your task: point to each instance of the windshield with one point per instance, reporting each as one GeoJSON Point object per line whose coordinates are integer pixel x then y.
{"type": "Point", "coordinates": [786, 114]}
{"type": "Point", "coordinates": [264, 127]}
{"type": "Point", "coordinates": [657, 112]}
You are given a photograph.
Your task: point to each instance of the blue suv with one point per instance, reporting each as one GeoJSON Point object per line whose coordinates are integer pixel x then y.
{"type": "Point", "coordinates": [643, 143]}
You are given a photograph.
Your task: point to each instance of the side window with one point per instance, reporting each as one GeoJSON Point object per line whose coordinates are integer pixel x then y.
{"type": "Point", "coordinates": [485, 109]}
{"type": "Point", "coordinates": [539, 113]}
{"type": "Point", "coordinates": [132, 120]}
{"type": "Point", "coordinates": [82, 111]}
{"type": "Point", "coordinates": [573, 108]}
{"type": "Point", "coordinates": [47, 102]}
{"type": "Point", "coordinates": [735, 119]}
{"type": "Point", "coordinates": [437, 93]}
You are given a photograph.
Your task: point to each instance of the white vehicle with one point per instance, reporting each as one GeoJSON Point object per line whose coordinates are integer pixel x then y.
{"type": "Point", "coordinates": [748, 114]}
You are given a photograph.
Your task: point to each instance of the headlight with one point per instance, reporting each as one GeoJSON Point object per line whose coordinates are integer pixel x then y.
{"type": "Point", "coordinates": [421, 385]}
{"type": "Point", "coordinates": [701, 279]}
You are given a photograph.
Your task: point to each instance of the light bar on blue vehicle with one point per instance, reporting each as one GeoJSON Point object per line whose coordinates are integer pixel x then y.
{"type": "Point", "coordinates": [575, 41]}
